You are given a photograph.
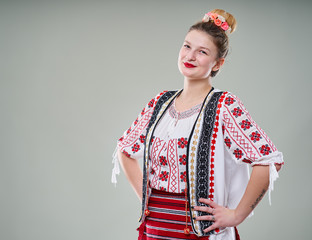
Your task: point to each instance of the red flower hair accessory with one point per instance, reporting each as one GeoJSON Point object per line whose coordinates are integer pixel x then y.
{"type": "Point", "coordinates": [217, 20]}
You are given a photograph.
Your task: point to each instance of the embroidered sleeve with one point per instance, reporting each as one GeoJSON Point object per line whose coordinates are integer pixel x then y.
{"type": "Point", "coordinates": [245, 140]}
{"type": "Point", "coordinates": [132, 141]}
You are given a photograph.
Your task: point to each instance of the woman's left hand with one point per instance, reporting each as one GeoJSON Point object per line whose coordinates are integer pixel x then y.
{"type": "Point", "coordinates": [221, 216]}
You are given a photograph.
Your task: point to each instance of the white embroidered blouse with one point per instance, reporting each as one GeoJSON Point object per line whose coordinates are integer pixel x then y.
{"type": "Point", "coordinates": [168, 150]}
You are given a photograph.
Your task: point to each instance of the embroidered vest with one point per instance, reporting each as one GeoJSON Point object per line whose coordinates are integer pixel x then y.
{"type": "Point", "coordinates": [200, 154]}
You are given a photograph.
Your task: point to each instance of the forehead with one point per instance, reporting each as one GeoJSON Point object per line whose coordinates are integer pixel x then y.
{"type": "Point", "coordinates": [200, 39]}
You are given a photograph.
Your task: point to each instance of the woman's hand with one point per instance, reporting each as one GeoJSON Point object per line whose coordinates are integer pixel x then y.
{"type": "Point", "coordinates": [224, 217]}
{"type": "Point", "coordinates": [221, 216]}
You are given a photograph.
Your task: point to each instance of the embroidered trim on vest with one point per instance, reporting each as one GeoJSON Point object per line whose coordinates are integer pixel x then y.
{"type": "Point", "coordinates": [160, 107]}
{"type": "Point", "coordinates": [212, 149]}
{"type": "Point", "coordinates": [199, 160]}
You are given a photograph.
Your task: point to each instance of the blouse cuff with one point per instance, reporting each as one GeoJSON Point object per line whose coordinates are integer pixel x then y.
{"type": "Point", "coordinates": [116, 168]}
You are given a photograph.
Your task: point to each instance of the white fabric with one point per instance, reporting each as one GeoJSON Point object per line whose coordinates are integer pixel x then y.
{"type": "Point", "coordinates": [116, 168]}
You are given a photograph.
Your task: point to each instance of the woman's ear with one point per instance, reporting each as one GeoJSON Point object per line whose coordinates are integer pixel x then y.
{"type": "Point", "coordinates": [219, 64]}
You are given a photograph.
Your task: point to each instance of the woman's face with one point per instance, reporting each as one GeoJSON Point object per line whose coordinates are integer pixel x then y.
{"type": "Point", "coordinates": [198, 56]}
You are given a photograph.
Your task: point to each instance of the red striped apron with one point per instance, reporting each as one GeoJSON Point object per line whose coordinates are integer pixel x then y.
{"type": "Point", "coordinates": [167, 218]}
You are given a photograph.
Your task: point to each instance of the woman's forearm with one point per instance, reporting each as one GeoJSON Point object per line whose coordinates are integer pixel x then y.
{"type": "Point", "coordinates": [225, 217]}
{"type": "Point", "coordinates": [256, 189]}
{"type": "Point", "coordinates": [133, 172]}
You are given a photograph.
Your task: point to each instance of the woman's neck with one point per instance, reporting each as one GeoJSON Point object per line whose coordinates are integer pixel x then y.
{"type": "Point", "coordinates": [194, 92]}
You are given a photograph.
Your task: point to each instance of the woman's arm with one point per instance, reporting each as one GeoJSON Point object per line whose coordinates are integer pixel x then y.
{"type": "Point", "coordinates": [133, 172]}
{"type": "Point", "coordinates": [224, 217]}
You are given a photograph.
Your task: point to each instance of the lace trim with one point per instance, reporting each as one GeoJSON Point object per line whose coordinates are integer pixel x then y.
{"type": "Point", "coordinates": [181, 115]}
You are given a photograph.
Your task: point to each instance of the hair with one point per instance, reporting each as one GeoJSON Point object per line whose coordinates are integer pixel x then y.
{"type": "Point", "coordinates": [220, 38]}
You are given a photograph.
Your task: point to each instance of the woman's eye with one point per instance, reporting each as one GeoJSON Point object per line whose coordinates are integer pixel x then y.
{"type": "Point", "coordinates": [186, 46]}
{"type": "Point", "coordinates": [203, 52]}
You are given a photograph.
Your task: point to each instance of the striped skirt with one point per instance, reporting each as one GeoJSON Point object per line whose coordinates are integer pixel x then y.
{"type": "Point", "coordinates": [167, 219]}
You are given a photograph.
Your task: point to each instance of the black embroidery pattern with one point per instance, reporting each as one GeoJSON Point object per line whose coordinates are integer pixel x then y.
{"type": "Point", "coordinates": [203, 155]}
{"type": "Point", "coordinates": [163, 99]}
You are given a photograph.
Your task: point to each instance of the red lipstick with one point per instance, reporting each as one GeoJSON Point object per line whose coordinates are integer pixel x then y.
{"type": "Point", "coordinates": [188, 65]}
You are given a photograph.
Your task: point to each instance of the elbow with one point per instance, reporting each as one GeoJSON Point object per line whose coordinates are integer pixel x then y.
{"type": "Point", "coordinates": [278, 166]}
{"type": "Point", "coordinates": [121, 155]}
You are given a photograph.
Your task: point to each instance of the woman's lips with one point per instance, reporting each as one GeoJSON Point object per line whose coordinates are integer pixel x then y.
{"type": "Point", "coordinates": [189, 65]}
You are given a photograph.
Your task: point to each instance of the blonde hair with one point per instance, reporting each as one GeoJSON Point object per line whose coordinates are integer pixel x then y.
{"type": "Point", "coordinates": [220, 38]}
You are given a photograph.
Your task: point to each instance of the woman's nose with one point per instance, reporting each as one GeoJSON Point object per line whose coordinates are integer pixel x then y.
{"type": "Point", "coordinates": [190, 56]}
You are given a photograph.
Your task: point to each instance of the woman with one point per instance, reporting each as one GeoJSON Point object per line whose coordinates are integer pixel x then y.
{"type": "Point", "coordinates": [195, 144]}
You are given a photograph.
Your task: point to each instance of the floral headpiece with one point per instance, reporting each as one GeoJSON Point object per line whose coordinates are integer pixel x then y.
{"type": "Point", "coordinates": [217, 20]}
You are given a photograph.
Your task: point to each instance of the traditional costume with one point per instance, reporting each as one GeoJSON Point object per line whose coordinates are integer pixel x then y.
{"type": "Point", "coordinates": [199, 153]}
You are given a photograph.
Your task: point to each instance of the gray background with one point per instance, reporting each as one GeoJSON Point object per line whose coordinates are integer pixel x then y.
{"type": "Point", "coordinates": [75, 74]}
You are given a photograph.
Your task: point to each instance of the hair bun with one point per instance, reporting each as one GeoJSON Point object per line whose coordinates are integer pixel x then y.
{"type": "Point", "coordinates": [229, 18]}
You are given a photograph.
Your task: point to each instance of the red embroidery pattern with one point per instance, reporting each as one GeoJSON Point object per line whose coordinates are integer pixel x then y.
{"type": "Point", "coordinates": [183, 176]}
{"type": "Point", "coordinates": [155, 148]}
{"type": "Point", "coordinates": [237, 112]}
{"type": "Point", "coordinates": [265, 149]}
{"type": "Point", "coordinates": [182, 159]}
{"type": "Point", "coordinates": [212, 151]}
{"type": "Point", "coordinates": [128, 131]}
{"type": "Point", "coordinates": [155, 151]}
{"type": "Point", "coordinates": [263, 134]}
{"type": "Point", "coordinates": [212, 158]}
{"type": "Point", "coordinates": [164, 176]}
{"type": "Point", "coordinates": [135, 122]}
{"type": "Point", "coordinates": [245, 145]}
{"type": "Point", "coordinates": [164, 157]}
{"type": "Point", "coordinates": [182, 142]}
{"type": "Point", "coordinates": [238, 153]}
{"type": "Point", "coordinates": [126, 153]}
{"type": "Point", "coordinates": [245, 124]}
{"type": "Point", "coordinates": [142, 138]}
{"type": "Point", "coordinates": [236, 136]}
{"type": "Point", "coordinates": [229, 100]}
{"type": "Point", "coordinates": [174, 166]}
{"type": "Point", "coordinates": [163, 161]}
{"type": "Point", "coordinates": [228, 142]}
{"type": "Point", "coordinates": [151, 103]}
{"type": "Point", "coordinates": [135, 135]}
{"type": "Point", "coordinates": [255, 136]}
{"type": "Point", "coordinates": [135, 148]}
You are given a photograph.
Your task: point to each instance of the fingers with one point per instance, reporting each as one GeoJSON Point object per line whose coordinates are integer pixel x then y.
{"type": "Point", "coordinates": [212, 218]}
{"type": "Point", "coordinates": [211, 208]}
{"type": "Point", "coordinates": [208, 202]}
{"type": "Point", "coordinates": [211, 228]}
{"type": "Point", "coordinates": [204, 209]}
{"type": "Point", "coordinates": [206, 218]}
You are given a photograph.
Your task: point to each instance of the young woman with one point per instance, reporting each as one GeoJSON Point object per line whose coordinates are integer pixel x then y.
{"type": "Point", "coordinates": [196, 144]}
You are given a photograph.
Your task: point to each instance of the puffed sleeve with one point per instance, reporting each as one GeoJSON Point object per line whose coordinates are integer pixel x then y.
{"type": "Point", "coordinates": [132, 141]}
{"type": "Point", "coordinates": [246, 141]}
